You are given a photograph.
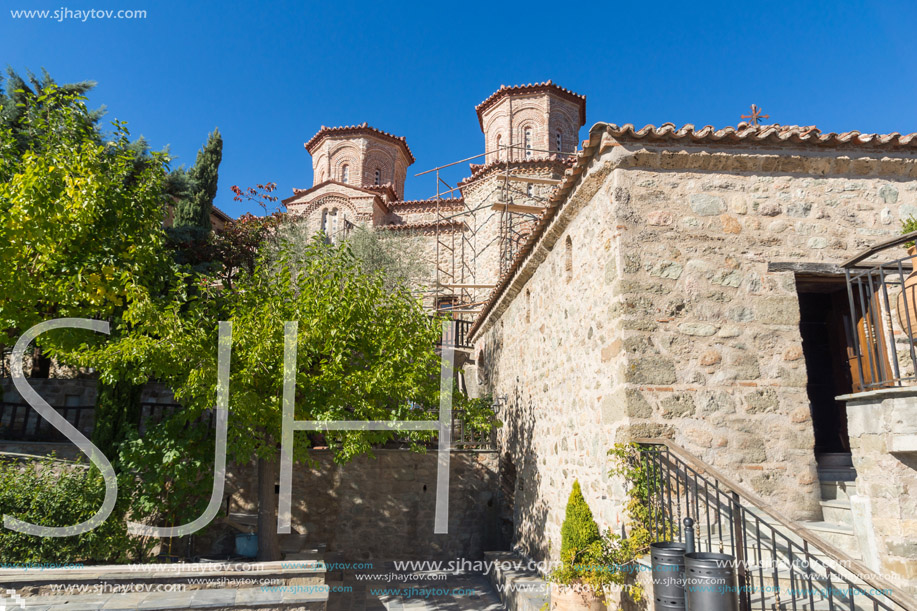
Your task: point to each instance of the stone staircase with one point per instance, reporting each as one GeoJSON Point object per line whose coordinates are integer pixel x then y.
{"type": "Point", "coordinates": [836, 525]}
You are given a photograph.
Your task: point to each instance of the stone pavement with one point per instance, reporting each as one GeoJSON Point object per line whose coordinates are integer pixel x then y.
{"type": "Point", "coordinates": [391, 590]}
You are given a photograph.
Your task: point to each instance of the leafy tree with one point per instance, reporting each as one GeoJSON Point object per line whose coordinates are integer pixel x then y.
{"type": "Point", "coordinates": [80, 220]}
{"type": "Point", "coordinates": [20, 97]}
{"type": "Point", "coordinates": [365, 352]}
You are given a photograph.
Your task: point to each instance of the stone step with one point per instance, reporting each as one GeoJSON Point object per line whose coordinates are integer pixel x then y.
{"type": "Point", "coordinates": [837, 490]}
{"type": "Point", "coordinates": [839, 535]}
{"type": "Point", "coordinates": [838, 512]}
{"type": "Point", "coordinates": [519, 587]}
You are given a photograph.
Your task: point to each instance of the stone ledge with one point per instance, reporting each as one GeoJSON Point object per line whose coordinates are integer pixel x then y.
{"type": "Point", "coordinates": [901, 444]}
{"type": "Point", "coordinates": [882, 393]}
{"type": "Point", "coordinates": [243, 599]}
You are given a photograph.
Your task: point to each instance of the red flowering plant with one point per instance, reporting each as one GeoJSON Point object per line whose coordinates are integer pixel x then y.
{"type": "Point", "coordinates": [236, 247]}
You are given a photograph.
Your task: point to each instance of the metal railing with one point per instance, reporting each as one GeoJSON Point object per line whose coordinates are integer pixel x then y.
{"type": "Point", "coordinates": [466, 437]}
{"type": "Point", "coordinates": [20, 422]}
{"type": "Point", "coordinates": [882, 327]}
{"type": "Point", "coordinates": [457, 334]}
{"type": "Point", "coordinates": [779, 564]}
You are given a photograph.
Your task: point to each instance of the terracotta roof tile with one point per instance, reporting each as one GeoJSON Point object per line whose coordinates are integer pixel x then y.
{"type": "Point", "coordinates": [546, 86]}
{"type": "Point", "coordinates": [353, 130]}
{"type": "Point", "coordinates": [429, 225]}
{"type": "Point", "coordinates": [751, 134]}
{"type": "Point", "coordinates": [479, 169]}
{"type": "Point", "coordinates": [445, 201]}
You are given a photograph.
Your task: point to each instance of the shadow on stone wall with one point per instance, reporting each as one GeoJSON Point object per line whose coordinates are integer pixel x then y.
{"type": "Point", "coordinates": [383, 507]}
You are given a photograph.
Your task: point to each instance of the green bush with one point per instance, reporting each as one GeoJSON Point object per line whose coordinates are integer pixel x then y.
{"type": "Point", "coordinates": [579, 531]}
{"type": "Point", "coordinates": [909, 225]}
{"type": "Point", "coordinates": [49, 492]}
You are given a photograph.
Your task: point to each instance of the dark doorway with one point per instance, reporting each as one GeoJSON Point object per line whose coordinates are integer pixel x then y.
{"type": "Point", "coordinates": [824, 323]}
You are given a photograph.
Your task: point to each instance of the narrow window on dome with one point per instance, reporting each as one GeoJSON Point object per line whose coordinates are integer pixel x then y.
{"type": "Point", "coordinates": [558, 142]}
{"type": "Point", "coordinates": [345, 173]}
{"type": "Point", "coordinates": [528, 142]}
{"type": "Point", "coordinates": [377, 179]}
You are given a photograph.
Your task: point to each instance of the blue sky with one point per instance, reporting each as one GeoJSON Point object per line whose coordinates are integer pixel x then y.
{"type": "Point", "coordinates": [270, 74]}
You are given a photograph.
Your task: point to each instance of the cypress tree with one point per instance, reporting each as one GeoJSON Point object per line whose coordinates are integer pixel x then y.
{"type": "Point", "coordinates": [194, 210]}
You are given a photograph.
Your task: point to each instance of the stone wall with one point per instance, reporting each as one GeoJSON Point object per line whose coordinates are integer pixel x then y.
{"type": "Point", "coordinates": [647, 310]}
{"type": "Point", "coordinates": [883, 440]}
{"type": "Point", "coordinates": [383, 507]}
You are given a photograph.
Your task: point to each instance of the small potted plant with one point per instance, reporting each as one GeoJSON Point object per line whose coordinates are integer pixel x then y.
{"type": "Point", "coordinates": [578, 584]}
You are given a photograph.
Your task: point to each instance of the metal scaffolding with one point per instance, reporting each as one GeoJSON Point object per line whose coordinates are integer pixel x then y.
{"type": "Point", "coordinates": [457, 283]}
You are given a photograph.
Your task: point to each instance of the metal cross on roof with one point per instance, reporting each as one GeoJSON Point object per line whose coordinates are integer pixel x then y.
{"type": "Point", "coordinates": [755, 115]}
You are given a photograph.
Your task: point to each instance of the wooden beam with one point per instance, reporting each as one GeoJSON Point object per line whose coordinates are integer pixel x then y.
{"type": "Point", "coordinates": [518, 208]}
{"type": "Point", "coordinates": [468, 286]}
{"type": "Point", "coordinates": [534, 179]}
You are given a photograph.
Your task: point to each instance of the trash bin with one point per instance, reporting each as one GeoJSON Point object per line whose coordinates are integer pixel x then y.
{"type": "Point", "coordinates": [247, 545]}
{"type": "Point", "coordinates": [710, 582]}
{"type": "Point", "coordinates": [668, 563]}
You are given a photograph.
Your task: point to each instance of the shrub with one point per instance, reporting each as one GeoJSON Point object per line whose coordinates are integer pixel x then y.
{"type": "Point", "coordinates": [579, 530]}
{"type": "Point", "coordinates": [909, 225]}
{"type": "Point", "coordinates": [49, 492]}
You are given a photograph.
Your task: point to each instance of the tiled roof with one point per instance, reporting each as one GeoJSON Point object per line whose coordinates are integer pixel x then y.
{"type": "Point", "coordinates": [429, 225]}
{"type": "Point", "coordinates": [479, 169]}
{"type": "Point", "coordinates": [220, 214]}
{"type": "Point", "coordinates": [753, 134]}
{"type": "Point", "coordinates": [449, 202]}
{"type": "Point", "coordinates": [547, 86]}
{"type": "Point", "coordinates": [330, 181]}
{"type": "Point", "coordinates": [354, 130]}
{"type": "Point", "coordinates": [387, 188]}
{"type": "Point", "coordinates": [742, 135]}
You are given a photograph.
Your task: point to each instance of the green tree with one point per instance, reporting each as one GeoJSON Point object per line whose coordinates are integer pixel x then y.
{"type": "Point", "coordinates": [192, 212]}
{"type": "Point", "coordinates": [365, 352]}
{"type": "Point", "coordinates": [80, 219]}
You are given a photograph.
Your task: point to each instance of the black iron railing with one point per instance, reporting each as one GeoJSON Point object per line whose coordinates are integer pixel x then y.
{"type": "Point", "coordinates": [882, 327]}
{"type": "Point", "coordinates": [20, 422]}
{"type": "Point", "coordinates": [779, 564]}
{"type": "Point", "coordinates": [467, 437]}
{"type": "Point", "coordinates": [456, 334]}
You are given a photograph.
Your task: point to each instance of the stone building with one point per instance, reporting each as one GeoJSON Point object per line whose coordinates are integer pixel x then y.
{"type": "Point", "coordinates": [659, 283]}
{"type": "Point", "coordinates": [470, 234]}
{"type": "Point", "coordinates": [680, 286]}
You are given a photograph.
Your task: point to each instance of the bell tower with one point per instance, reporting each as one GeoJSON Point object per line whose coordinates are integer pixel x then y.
{"type": "Point", "coordinates": [531, 121]}
{"type": "Point", "coordinates": [360, 156]}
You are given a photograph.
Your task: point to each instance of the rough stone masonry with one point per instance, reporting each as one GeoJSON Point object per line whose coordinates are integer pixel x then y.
{"type": "Point", "coordinates": [643, 307]}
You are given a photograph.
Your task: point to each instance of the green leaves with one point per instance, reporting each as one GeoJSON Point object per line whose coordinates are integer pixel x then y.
{"type": "Point", "coordinates": [80, 221]}
{"type": "Point", "coordinates": [53, 493]}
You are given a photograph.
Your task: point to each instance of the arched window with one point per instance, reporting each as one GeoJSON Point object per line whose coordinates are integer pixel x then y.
{"type": "Point", "coordinates": [334, 223]}
{"type": "Point", "coordinates": [568, 259]}
{"type": "Point", "coordinates": [558, 142]}
{"type": "Point", "coordinates": [530, 189]}
{"type": "Point", "coordinates": [499, 144]}
{"type": "Point", "coordinates": [326, 227]}
{"type": "Point", "coordinates": [377, 178]}
{"type": "Point", "coordinates": [527, 140]}
{"type": "Point", "coordinates": [345, 173]}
